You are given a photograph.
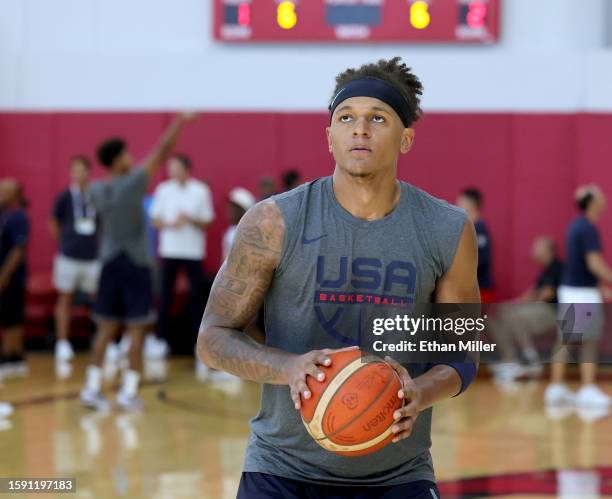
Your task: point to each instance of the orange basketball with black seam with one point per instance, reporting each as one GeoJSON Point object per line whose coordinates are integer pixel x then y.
{"type": "Point", "coordinates": [351, 412]}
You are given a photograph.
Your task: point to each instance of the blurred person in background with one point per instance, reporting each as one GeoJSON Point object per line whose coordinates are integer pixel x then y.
{"type": "Point", "coordinates": [238, 202]}
{"type": "Point", "coordinates": [76, 268]}
{"type": "Point", "coordinates": [153, 350]}
{"type": "Point", "coordinates": [581, 314]}
{"type": "Point", "coordinates": [471, 200]}
{"type": "Point", "coordinates": [291, 179]}
{"type": "Point", "coordinates": [125, 288]}
{"type": "Point", "coordinates": [532, 313]}
{"type": "Point", "coordinates": [14, 236]}
{"type": "Point", "coordinates": [181, 210]}
{"type": "Point", "coordinates": [267, 187]}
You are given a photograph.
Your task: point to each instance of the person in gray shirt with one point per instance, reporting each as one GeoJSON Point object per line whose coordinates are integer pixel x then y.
{"type": "Point", "coordinates": [125, 288]}
{"type": "Point", "coordinates": [323, 256]}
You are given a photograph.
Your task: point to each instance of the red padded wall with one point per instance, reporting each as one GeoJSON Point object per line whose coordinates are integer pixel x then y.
{"type": "Point", "coordinates": [527, 165]}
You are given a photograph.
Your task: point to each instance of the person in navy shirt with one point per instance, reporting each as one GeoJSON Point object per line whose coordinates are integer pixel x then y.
{"type": "Point", "coordinates": [76, 268]}
{"type": "Point", "coordinates": [470, 200]}
{"type": "Point", "coordinates": [14, 233]}
{"type": "Point", "coordinates": [586, 273]}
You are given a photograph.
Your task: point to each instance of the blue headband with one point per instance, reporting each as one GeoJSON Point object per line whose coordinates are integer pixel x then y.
{"type": "Point", "coordinates": [369, 86]}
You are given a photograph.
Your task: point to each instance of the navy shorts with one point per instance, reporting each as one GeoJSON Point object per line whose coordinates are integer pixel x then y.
{"type": "Point", "coordinates": [12, 305]}
{"type": "Point", "coordinates": [265, 486]}
{"type": "Point", "coordinates": [125, 292]}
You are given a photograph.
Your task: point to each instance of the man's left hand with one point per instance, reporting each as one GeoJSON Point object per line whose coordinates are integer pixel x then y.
{"type": "Point", "coordinates": [411, 394]}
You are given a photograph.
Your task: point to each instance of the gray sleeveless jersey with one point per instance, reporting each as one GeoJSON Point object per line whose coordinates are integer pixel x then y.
{"type": "Point", "coordinates": [335, 274]}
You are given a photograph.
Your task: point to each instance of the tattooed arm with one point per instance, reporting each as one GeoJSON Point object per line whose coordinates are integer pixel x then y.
{"type": "Point", "coordinates": [236, 296]}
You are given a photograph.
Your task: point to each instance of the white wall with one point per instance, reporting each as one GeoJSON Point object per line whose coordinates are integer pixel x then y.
{"type": "Point", "coordinates": [159, 54]}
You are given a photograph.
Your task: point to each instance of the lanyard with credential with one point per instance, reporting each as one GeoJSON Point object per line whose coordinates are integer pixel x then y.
{"type": "Point", "coordinates": [84, 213]}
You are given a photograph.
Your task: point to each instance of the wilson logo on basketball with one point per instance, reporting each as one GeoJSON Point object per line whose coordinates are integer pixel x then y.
{"type": "Point", "coordinates": [350, 400]}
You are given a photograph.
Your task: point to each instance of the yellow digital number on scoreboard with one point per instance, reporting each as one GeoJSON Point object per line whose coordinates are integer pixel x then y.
{"type": "Point", "coordinates": [419, 14]}
{"type": "Point", "coordinates": [286, 17]}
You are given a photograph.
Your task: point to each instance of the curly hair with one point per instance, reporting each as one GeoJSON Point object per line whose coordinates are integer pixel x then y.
{"type": "Point", "coordinates": [396, 73]}
{"type": "Point", "coordinates": [109, 150]}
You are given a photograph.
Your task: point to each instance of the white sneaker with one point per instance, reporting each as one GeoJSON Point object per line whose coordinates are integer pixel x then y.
{"type": "Point", "coordinates": [509, 371]}
{"type": "Point", "coordinates": [592, 414]}
{"type": "Point", "coordinates": [94, 400]}
{"type": "Point", "coordinates": [63, 351]}
{"type": "Point", "coordinates": [128, 403]}
{"type": "Point", "coordinates": [6, 409]}
{"type": "Point", "coordinates": [155, 370]}
{"type": "Point", "coordinates": [155, 348]}
{"type": "Point", "coordinates": [592, 396]}
{"type": "Point", "coordinates": [558, 394]}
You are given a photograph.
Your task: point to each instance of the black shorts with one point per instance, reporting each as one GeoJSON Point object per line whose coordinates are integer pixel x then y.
{"type": "Point", "coordinates": [125, 292]}
{"type": "Point", "coordinates": [12, 306]}
{"type": "Point", "coordinates": [264, 486]}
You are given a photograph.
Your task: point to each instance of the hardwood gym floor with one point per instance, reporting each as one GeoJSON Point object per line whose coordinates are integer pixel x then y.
{"type": "Point", "coordinates": [189, 441]}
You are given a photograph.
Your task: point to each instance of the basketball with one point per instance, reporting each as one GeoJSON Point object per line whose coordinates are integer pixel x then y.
{"type": "Point", "coordinates": [351, 412]}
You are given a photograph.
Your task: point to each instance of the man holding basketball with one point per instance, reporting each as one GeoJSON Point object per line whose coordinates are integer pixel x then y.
{"type": "Point", "coordinates": [321, 256]}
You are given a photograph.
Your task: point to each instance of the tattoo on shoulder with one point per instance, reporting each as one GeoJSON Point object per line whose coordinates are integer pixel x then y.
{"type": "Point", "coordinates": [244, 279]}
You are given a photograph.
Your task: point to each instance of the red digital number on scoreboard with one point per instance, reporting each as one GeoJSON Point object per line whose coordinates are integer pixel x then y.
{"type": "Point", "coordinates": [475, 21]}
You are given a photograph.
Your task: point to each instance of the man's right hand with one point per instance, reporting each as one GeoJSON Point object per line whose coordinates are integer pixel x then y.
{"type": "Point", "coordinates": [297, 368]}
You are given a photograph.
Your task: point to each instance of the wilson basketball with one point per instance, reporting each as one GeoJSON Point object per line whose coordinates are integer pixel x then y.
{"type": "Point", "coordinates": [351, 412]}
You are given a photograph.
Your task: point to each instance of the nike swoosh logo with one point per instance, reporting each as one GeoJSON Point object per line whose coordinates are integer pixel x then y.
{"type": "Point", "coordinates": [314, 239]}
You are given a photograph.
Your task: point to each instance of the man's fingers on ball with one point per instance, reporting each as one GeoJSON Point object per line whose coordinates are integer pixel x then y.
{"type": "Point", "coordinates": [408, 411]}
{"type": "Point", "coordinates": [402, 436]}
{"type": "Point", "coordinates": [296, 403]}
{"type": "Point", "coordinates": [406, 390]}
{"type": "Point", "coordinates": [405, 425]}
{"type": "Point", "coordinates": [315, 372]}
{"type": "Point", "coordinates": [296, 399]}
{"type": "Point", "coordinates": [411, 410]}
{"type": "Point", "coordinates": [304, 390]}
{"type": "Point", "coordinates": [403, 433]}
{"type": "Point", "coordinates": [323, 359]}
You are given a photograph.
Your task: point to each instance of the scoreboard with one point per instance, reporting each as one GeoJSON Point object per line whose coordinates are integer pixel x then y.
{"type": "Point", "coordinates": [411, 21]}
